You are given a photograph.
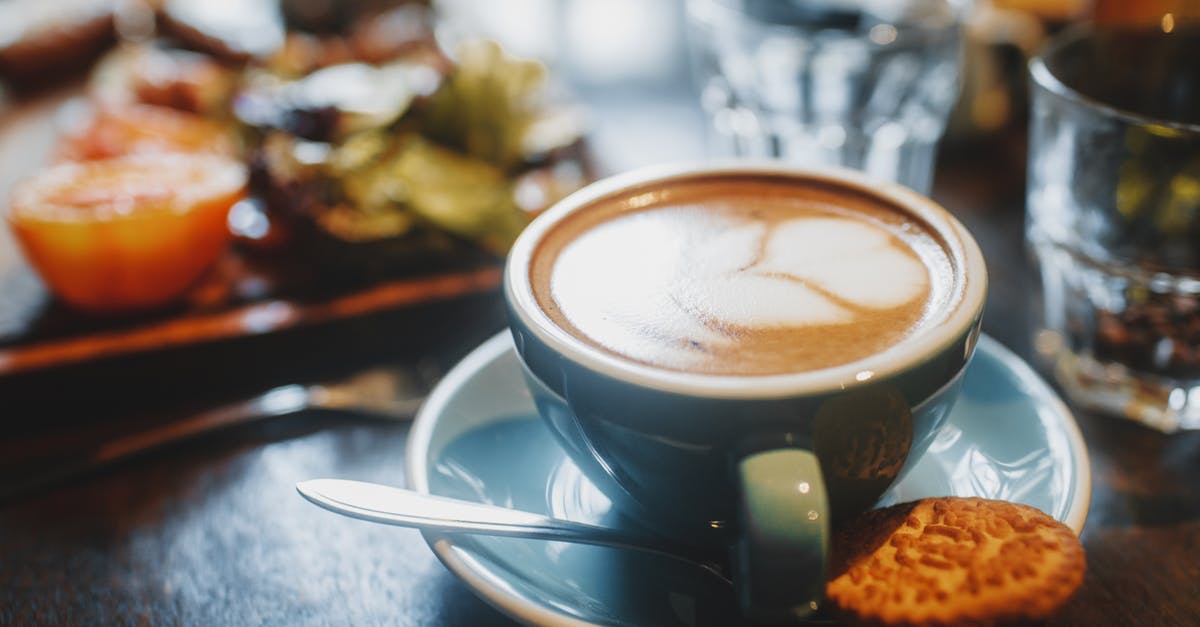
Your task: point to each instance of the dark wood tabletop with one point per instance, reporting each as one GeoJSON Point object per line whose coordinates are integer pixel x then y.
{"type": "Point", "coordinates": [211, 532]}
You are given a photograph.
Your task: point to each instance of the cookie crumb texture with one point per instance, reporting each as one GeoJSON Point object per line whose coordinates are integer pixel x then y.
{"type": "Point", "coordinates": [953, 561]}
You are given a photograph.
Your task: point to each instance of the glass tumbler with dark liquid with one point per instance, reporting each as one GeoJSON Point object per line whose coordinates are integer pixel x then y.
{"type": "Point", "coordinates": [1114, 216]}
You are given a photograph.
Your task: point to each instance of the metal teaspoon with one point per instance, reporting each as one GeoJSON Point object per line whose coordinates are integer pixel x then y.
{"type": "Point", "coordinates": [395, 506]}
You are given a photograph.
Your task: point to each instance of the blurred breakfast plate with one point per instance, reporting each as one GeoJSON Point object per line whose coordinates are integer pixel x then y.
{"type": "Point", "coordinates": [388, 168]}
{"type": "Point", "coordinates": [478, 438]}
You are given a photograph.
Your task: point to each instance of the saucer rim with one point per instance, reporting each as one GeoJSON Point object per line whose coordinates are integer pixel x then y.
{"type": "Point", "coordinates": [416, 458]}
{"type": "Point", "coordinates": [420, 437]}
{"type": "Point", "coordinates": [1077, 512]}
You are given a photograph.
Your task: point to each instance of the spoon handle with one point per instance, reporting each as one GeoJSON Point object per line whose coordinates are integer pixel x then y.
{"type": "Point", "coordinates": [395, 506]}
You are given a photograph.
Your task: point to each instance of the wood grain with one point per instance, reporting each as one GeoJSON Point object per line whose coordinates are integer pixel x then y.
{"type": "Point", "coordinates": [255, 319]}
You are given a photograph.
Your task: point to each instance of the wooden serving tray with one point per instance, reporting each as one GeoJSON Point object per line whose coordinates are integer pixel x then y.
{"type": "Point", "coordinates": [243, 296]}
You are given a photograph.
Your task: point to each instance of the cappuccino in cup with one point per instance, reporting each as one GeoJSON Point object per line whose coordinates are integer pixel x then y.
{"type": "Point", "coordinates": [737, 354]}
{"type": "Point", "coordinates": [742, 276]}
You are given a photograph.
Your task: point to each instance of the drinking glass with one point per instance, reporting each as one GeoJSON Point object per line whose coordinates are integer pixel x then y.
{"type": "Point", "coordinates": [1114, 217]}
{"type": "Point", "coordinates": [864, 84]}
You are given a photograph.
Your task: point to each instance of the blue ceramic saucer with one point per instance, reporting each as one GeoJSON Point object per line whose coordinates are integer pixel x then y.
{"type": "Point", "coordinates": [478, 437]}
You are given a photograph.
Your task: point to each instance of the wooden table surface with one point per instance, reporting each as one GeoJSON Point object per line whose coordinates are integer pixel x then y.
{"type": "Point", "coordinates": [212, 533]}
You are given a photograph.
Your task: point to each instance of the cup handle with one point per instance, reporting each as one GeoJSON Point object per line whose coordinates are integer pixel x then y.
{"type": "Point", "coordinates": [781, 553]}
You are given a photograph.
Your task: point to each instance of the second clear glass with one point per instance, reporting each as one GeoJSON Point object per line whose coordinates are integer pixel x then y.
{"type": "Point", "coordinates": [862, 84]}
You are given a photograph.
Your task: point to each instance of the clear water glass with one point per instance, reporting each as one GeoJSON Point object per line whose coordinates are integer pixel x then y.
{"type": "Point", "coordinates": [864, 84]}
{"type": "Point", "coordinates": [1114, 218]}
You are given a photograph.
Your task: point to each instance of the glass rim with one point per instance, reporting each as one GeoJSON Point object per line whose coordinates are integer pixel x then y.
{"type": "Point", "coordinates": [1049, 82]}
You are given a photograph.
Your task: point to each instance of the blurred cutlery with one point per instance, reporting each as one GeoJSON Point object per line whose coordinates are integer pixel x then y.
{"type": "Point", "coordinates": [391, 393]}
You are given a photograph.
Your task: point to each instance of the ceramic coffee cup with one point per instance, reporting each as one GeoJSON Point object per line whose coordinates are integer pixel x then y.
{"type": "Point", "coordinates": [760, 463]}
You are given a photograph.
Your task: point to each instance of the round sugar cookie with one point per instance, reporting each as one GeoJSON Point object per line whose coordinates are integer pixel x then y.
{"type": "Point", "coordinates": [953, 561]}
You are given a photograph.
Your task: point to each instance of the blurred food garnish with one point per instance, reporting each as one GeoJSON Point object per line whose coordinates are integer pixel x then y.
{"type": "Point", "coordinates": [335, 15]}
{"type": "Point", "coordinates": [169, 77]}
{"type": "Point", "coordinates": [490, 105]}
{"type": "Point", "coordinates": [336, 101]}
{"type": "Point", "coordinates": [394, 152]}
{"type": "Point", "coordinates": [300, 35]}
{"type": "Point", "coordinates": [404, 32]}
{"type": "Point", "coordinates": [468, 197]}
{"type": "Point", "coordinates": [40, 40]}
{"type": "Point", "coordinates": [235, 30]}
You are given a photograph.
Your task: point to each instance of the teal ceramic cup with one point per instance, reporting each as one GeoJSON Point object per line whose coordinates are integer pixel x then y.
{"type": "Point", "coordinates": [761, 465]}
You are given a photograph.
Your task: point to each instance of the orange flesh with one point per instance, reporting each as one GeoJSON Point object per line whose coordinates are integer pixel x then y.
{"type": "Point", "coordinates": [127, 233]}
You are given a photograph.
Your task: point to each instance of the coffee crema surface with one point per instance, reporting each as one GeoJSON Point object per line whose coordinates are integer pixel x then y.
{"type": "Point", "coordinates": [742, 277]}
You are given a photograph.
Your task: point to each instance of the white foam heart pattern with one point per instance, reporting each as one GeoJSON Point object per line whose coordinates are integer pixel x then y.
{"type": "Point", "coordinates": [658, 285]}
{"type": "Point", "coordinates": [852, 260]}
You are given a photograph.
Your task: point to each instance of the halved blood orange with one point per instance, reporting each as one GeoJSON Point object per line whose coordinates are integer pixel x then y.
{"type": "Point", "coordinates": [126, 233]}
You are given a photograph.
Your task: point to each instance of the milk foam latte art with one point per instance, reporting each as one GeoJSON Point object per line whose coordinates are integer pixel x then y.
{"type": "Point", "coordinates": [742, 278]}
